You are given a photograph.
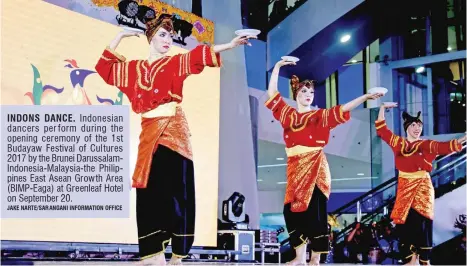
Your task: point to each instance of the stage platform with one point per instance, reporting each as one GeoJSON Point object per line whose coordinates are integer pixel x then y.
{"type": "Point", "coordinates": [105, 263]}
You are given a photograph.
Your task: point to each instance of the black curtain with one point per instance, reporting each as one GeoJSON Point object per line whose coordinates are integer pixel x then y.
{"type": "Point", "coordinates": [196, 7]}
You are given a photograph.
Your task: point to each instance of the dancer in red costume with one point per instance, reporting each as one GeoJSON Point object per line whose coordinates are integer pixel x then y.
{"type": "Point", "coordinates": [164, 173]}
{"type": "Point", "coordinates": [413, 211]}
{"type": "Point", "coordinates": [306, 133]}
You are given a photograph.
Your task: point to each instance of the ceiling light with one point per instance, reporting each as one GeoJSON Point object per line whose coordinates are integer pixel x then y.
{"type": "Point", "coordinates": [345, 38]}
{"type": "Point", "coordinates": [420, 69]}
{"type": "Point", "coordinates": [280, 159]}
{"type": "Point", "coordinates": [463, 104]}
{"type": "Point", "coordinates": [353, 61]}
{"type": "Point", "coordinates": [360, 174]}
{"type": "Point", "coordinates": [280, 183]}
{"type": "Point", "coordinates": [449, 48]}
{"type": "Point", "coordinates": [259, 180]}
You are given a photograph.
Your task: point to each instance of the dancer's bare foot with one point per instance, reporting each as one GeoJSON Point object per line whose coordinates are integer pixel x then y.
{"type": "Point", "coordinates": [159, 259]}
{"type": "Point", "coordinates": [300, 257]}
{"type": "Point", "coordinates": [175, 260]}
{"type": "Point", "coordinates": [423, 262]}
{"type": "Point", "coordinates": [315, 258]}
{"type": "Point", "coordinates": [413, 260]}
{"type": "Point", "coordinates": [296, 262]}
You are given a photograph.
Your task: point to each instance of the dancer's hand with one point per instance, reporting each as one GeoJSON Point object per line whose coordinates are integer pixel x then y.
{"type": "Point", "coordinates": [127, 33]}
{"type": "Point", "coordinates": [389, 105]}
{"type": "Point", "coordinates": [285, 63]}
{"type": "Point", "coordinates": [121, 35]}
{"type": "Point", "coordinates": [462, 139]}
{"type": "Point", "coordinates": [373, 96]}
{"type": "Point", "coordinates": [241, 40]}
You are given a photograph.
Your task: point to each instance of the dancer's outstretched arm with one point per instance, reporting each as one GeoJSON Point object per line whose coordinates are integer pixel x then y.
{"type": "Point", "coordinates": [272, 89]}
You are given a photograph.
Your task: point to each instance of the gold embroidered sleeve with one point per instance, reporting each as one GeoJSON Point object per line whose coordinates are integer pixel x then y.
{"type": "Point", "coordinates": [116, 71]}
{"type": "Point", "coordinates": [443, 148]}
{"type": "Point", "coordinates": [386, 135]}
{"type": "Point", "coordinates": [280, 109]}
{"type": "Point", "coordinates": [334, 116]}
{"type": "Point", "coordinates": [197, 59]}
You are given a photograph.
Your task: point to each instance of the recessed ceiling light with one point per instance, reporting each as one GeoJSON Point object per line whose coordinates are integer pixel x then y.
{"type": "Point", "coordinates": [280, 159]}
{"type": "Point", "coordinates": [360, 174]}
{"type": "Point", "coordinates": [449, 48]}
{"type": "Point", "coordinates": [420, 69]}
{"type": "Point", "coordinates": [345, 38]}
{"type": "Point", "coordinates": [259, 180]}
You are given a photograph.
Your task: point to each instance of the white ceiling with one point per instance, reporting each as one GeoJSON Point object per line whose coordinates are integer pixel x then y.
{"type": "Point", "coordinates": [346, 174]}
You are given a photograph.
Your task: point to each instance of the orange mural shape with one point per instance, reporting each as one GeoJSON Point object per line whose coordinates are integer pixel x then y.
{"type": "Point", "coordinates": [203, 29]}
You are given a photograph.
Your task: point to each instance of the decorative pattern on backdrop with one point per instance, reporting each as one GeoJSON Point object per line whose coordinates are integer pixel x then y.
{"type": "Point", "coordinates": [191, 30]}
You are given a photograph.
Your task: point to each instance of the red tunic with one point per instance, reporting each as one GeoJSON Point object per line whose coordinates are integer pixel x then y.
{"type": "Point", "coordinates": [305, 136]}
{"type": "Point", "coordinates": [156, 87]}
{"type": "Point", "coordinates": [149, 85]}
{"type": "Point", "coordinates": [414, 162]}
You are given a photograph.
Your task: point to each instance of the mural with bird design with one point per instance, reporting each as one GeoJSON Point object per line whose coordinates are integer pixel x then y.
{"type": "Point", "coordinates": [51, 95]}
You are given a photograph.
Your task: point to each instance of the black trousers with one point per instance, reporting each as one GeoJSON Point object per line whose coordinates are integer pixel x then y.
{"type": "Point", "coordinates": [311, 224]}
{"type": "Point", "coordinates": [165, 209]}
{"type": "Point", "coordinates": [416, 237]}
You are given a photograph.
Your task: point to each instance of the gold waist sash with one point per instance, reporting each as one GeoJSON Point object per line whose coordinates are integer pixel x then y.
{"type": "Point", "coordinates": [297, 150]}
{"type": "Point", "coordinates": [418, 174]}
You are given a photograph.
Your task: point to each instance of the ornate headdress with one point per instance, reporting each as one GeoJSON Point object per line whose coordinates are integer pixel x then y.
{"type": "Point", "coordinates": [164, 21]}
{"type": "Point", "coordinates": [408, 119]}
{"type": "Point", "coordinates": [296, 85]}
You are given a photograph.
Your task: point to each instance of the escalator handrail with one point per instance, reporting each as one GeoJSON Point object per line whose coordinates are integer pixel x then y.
{"type": "Point", "coordinates": [442, 168]}
{"type": "Point", "coordinates": [365, 218]}
{"type": "Point", "coordinates": [359, 198]}
{"type": "Point", "coordinates": [374, 190]}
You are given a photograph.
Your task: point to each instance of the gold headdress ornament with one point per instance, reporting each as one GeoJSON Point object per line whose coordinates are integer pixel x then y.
{"type": "Point", "coordinates": [164, 21]}
{"type": "Point", "coordinates": [296, 85]}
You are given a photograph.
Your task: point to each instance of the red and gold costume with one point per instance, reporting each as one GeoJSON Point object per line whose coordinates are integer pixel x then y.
{"type": "Point", "coordinates": [414, 206]}
{"type": "Point", "coordinates": [413, 160]}
{"type": "Point", "coordinates": [154, 90]}
{"type": "Point", "coordinates": [305, 136]}
{"type": "Point", "coordinates": [164, 172]}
